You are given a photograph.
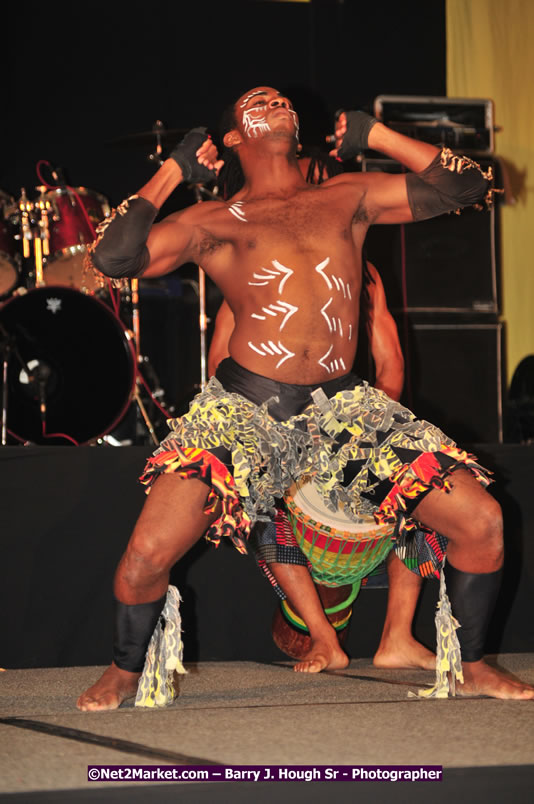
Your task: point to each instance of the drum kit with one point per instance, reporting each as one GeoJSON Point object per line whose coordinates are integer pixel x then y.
{"type": "Point", "coordinates": [69, 339]}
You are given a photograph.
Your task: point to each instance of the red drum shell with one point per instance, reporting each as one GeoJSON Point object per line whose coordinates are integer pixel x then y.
{"type": "Point", "coordinates": [9, 269]}
{"type": "Point", "coordinates": [75, 214]}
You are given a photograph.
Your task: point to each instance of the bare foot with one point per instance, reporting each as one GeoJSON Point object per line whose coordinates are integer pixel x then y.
{"type": "Point", "coordinates": [323, 655]}
{"type": "Point", "coordinates": [481, 679]}
{"type": "Point", "coordinates": [111, 689]}
{"type": "Point", "coordinates": [406, 653]}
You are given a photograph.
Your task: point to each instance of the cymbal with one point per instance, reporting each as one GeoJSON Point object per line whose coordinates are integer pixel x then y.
{"type": "Point", "coordinates": [143, 138]}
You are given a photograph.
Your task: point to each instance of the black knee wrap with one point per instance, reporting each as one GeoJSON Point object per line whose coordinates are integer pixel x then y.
{"type": "Point", "coordinates": [134, 626]}
{"type": "Point", "coordinates": [472, 596]}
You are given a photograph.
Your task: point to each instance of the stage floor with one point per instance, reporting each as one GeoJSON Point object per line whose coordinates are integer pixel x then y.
{"type": "Point", "coordinates": [246, 713]}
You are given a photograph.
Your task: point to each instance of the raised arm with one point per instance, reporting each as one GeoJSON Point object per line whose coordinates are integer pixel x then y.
{"type": "Point", "coordinates": [128, 244]}
{"type": "Point", "coordinates": [384, 340]}
{"type": "Point", "coordinates": [438, 181]}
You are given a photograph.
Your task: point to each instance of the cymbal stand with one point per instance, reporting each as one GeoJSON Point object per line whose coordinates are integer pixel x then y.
{"type": "Point", "coordinates": [200, 190]}
{"type": "Point", "coordinates": [6, 353]}
{"type": "Point", "coordinates": [159, 129]}
{"type": "Point", "coordinates": [8, 346]}
{"type": "Point", "coordinates": [136, 328]}
{"type": "Point", "coordinates": [41, 238]}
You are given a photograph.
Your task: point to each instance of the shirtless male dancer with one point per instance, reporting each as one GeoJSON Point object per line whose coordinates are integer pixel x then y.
{"type": "Point", "coordinates": [397, 647]}
{"type": "Point", "coordinates": [283, 242]}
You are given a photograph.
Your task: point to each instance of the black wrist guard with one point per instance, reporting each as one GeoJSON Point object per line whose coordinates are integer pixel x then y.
{"type": "Point", "coordinates": [120, 248]}
{"type": "Point", "coordinates": [447, 184]}
{"type": "Point", "coordinates": [472, 598]}
{"type": "Point", "coordinates": [185, 156]}
{"type": "Point", "coordinates": [134, 625]}
{"type": "Point", "coordinates": [359, 124]}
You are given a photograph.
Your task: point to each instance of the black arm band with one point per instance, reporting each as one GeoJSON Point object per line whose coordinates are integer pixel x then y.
{"type": "Point", "coordinates": [447, 184]}
{"type": "Point", "coordinates": [120, 249]}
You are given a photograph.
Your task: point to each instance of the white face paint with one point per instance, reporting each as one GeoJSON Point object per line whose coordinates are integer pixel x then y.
{"type": "Point", "coordinates": [254, 121]}
{"type": "Point", "coordinates": [252, 95]}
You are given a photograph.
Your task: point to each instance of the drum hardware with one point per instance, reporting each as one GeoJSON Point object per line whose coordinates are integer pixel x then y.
{"type": "Point", "coordinates": [10, 262]}
{"type": "Point", "coordinates": [203, 319]}
{"type": "Point", "coordinates": [8, 346]}
{"type": "Point", "coordinates": [66, 386]}
{"type": "Point", "coordinates": [158, 133]}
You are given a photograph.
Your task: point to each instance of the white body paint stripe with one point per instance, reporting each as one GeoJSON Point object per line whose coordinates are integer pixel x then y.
{"type": "Point", "coordinates": [256, 349]}
{"type": "Point", "coordinates": [287, 352]}
{"type": "Point", "coordinates": [269, 274]}
{"type": "Point", "coordinates": [324, 358]}
{"type": "Point", "coordinates": [342, 364]}
{"type": "Point", "coordinates": [282, 269]}
{"type": "Point", "coordinates": [237, 213]}
{"type": "Point", "coordinates": [325, 316]}
{"type": "Point", "coordinates": [320, 270]}
{"type": "Point", "coordinates": [259, 317]}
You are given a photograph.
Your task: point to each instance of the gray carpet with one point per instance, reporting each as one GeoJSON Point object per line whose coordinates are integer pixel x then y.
{"type": "Point", "coordinates": [244, 713]}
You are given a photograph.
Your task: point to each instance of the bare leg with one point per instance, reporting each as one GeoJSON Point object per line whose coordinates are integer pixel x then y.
{"type": "Point", "coordinates": [326, 652]}
{"type": "Point", "coordinates": [471, 520]}
{"type": "Point", "coordinates": [170, 523]}
{"type": "Point", "coordinates": [397, 647]}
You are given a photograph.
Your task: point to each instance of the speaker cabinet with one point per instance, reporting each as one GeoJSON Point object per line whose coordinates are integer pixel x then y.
{"type": "Point", "coordinates": [454, 375]}
{"type": "Point", "coordinates": [448, 264]}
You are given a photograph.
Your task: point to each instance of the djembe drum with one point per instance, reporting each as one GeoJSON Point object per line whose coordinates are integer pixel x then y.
{"type": "Point", "coordinates": [342, 552]}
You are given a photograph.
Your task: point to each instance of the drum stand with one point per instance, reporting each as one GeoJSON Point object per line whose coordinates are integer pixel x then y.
{"type": "Point", "coordinates": [8, 346]}
{"type": "Point", "coordinates": [203, 319]}
{"type": "Point", "coordinates": [136, 343]}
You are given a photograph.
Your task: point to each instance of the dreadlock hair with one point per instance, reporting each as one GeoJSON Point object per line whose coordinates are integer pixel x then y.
{"type": "Point", "coordinates": [231, 177]}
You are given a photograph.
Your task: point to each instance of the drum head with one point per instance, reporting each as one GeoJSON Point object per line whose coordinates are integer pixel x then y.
{"type": "Point", "coordinates": [73, 352]}
{"type": "Point", "coordinates": [304, 497]}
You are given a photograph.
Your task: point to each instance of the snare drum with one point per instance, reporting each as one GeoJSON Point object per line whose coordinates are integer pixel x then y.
{"type": "Point", "coordinates": [75, 214]}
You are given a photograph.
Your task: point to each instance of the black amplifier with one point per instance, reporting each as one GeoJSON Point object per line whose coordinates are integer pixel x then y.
{"type": "Point", "coordinates": [462, 124]}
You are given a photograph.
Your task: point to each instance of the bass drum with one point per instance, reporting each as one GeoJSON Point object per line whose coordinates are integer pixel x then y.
{"type": "Point", "coordinates": [71, 353]}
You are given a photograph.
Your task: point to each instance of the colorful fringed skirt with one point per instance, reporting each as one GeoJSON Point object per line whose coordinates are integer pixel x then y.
{"type": "Point", "coordinates": [365, 453]}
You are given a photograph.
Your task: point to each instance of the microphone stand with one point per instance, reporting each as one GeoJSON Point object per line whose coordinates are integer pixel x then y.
{"type": "Point", "coordinates": [202, 318]}
{"type": "Point", "coordinates": [8, 346]}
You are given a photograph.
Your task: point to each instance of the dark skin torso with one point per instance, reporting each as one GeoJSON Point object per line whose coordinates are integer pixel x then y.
{"type": "Point", "coordinates": [299, 231]}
